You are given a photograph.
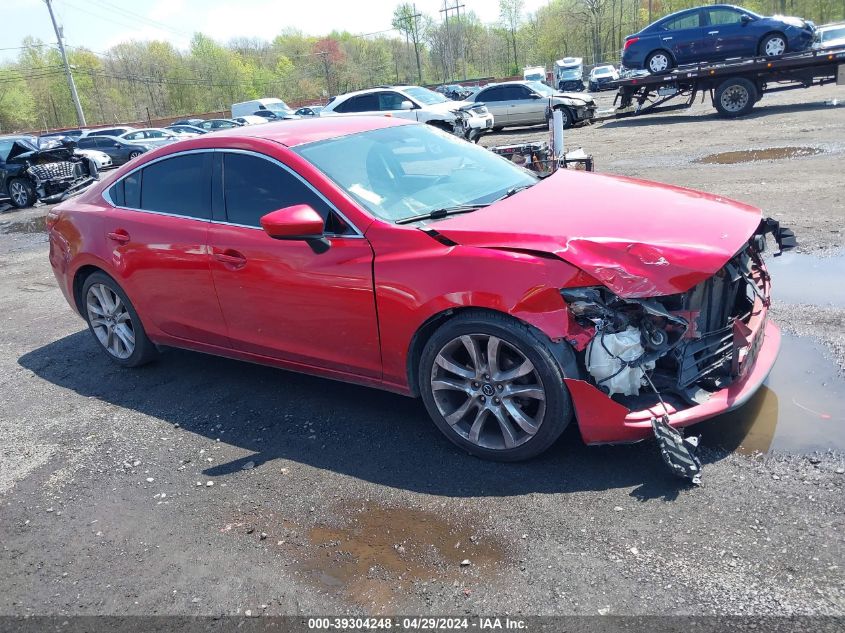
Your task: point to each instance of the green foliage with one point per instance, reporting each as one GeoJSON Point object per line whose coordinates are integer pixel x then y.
{"type": "Point", "coordinates": [134, 81]}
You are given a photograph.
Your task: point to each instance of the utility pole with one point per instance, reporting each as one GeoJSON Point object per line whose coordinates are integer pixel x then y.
{"type": "Point", "coordinates": [461, 31]}
{"type": "Point", "coordinates": [416, 17]}
{"type": "Point", "coordinates": [457, 9]}
{"type": "Point", "coordinates": [80, 115]}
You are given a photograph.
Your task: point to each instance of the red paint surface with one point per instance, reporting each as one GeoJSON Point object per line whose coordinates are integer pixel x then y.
{"type": "Point", "coordinates": [352, 312]}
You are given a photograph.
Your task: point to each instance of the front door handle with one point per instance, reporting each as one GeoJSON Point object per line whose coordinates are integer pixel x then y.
{"type": "Point", "coordinates": [712, 32]}
{"type": "Point", "coordinates": [120, 236]}
{"type": "Point", "coordinates": [666, 39]}
{"type": "Point", "coordinates": [231, 259]}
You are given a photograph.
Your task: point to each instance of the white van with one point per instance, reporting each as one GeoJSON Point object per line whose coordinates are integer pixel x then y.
{"type": "Point", "coordinates": [270, 108]}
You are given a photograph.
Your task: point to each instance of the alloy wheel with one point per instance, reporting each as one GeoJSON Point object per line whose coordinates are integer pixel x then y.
{"type": "Point", "coordinates": [111, 321]}
{"type": "Point", "coordinates": [735, 98]}
{"type": "Point", "coordinates": [488, 391]}
{"type": "Point", "coordinates": [18, 193]}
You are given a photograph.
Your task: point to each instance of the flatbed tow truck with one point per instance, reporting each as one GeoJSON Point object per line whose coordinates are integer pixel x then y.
{"type": "Point", "coordinates": [735, 86]}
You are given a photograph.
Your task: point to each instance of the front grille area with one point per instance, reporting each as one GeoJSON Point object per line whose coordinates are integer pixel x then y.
{"type": "Point", "coordinates": [705, 359]}
{"type": "Point", "coordinates": [63, 170]}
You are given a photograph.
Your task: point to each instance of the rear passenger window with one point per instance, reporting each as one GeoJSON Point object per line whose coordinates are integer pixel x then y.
{"type": "Point", "coordinates": [178, 185]}
{"type": "Point", "coordinates": [253, 187]}
{"type": "Point", "coordinates": [689, 21]}
{"type": "Point", "coordinates": [132, 190]}
{"type": "Point", "coordinates": [127, 192]}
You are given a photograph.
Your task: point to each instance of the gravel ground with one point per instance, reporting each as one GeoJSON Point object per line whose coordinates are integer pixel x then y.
{"type": "Point", "coordinates": [201, 485]}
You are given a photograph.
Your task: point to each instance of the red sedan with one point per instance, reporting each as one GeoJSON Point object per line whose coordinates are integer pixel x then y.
{"type": "Point", "coordinates": [393, 255]}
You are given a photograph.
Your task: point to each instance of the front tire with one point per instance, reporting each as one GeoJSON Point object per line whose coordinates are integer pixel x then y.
{"type": "Point", "coordinates": [21, 192]}
{"type": "Point", "coordinates": [773, 45]}
{"type": "Point", "coordinates": [492, 386]}
{"type": "Point", "coordinates": [114, 323]}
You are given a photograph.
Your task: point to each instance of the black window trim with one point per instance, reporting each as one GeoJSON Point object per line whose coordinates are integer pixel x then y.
{"type": "Point", "coordinates": [355, 234]}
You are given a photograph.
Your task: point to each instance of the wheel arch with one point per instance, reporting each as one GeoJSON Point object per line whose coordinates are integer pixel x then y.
{"type": "Point", "coordinates": [769, 34]}
{"type": "Point", "coordinates": [79, 278]}
{"type": "Point", "coordinates": [562, 351]}
{"type": "Point", "coordinates": [659, 49]}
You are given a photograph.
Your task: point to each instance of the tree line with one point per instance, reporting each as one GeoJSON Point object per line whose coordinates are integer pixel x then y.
{"type": "Point", "coordinates": [135, 81]}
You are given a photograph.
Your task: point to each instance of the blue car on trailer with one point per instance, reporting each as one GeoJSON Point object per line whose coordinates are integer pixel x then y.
{"type": "Point", "coordinates": [713, 33]}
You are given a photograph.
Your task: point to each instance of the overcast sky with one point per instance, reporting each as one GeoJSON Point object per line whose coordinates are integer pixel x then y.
{"type": "Point", "coordinates": [99, 24]}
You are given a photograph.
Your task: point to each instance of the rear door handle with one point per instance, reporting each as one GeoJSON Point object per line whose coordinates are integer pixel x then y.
{"type": "Point", "coordinates": [712, 32]}
{"type": "Point", "coordinates": [120, 236]}
{"type": "Point", "coordinates": [666, 39]}
{"type": "Point", "coordinates": [231, 258]}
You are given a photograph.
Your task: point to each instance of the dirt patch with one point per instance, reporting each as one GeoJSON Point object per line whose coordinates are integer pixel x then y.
{"type": "Point", "coordinates": [381, 551]}
{"type": "Point", "coordinates": [753, 155]}
{"type": "Point", "coordinates": [30, 225]}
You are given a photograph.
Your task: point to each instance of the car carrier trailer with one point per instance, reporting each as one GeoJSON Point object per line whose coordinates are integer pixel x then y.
{"type": "Point", "coordinates": [734, 85]}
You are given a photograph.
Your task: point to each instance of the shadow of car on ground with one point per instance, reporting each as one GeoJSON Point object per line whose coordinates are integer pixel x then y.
{"type": "Point", "coordinates": [380, 437]}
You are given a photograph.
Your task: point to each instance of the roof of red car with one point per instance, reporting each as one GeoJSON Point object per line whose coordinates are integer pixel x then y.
{"type": "Point", "coordinates": [292, 133]}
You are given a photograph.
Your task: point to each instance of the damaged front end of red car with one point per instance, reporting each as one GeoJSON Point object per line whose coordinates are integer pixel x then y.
{"type": "Point", "coordinates": [678, 358]}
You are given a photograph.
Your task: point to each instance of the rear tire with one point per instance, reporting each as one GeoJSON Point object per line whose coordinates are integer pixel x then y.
{"type": "Point", "coordinates": [510, 409]}
{"type": "Point", "coordinates": [114, 323]}
{"type": "Point", "coordinates": [658, 62]}
{"type": "Point", "coordinates": [134, 155]}
{"type": "Point", "coordinates": [21, 192]}
{"type": "Point", "coordinates": [735, 97]}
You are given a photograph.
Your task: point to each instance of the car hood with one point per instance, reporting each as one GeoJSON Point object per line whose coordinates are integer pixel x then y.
{"type": "Point", "coordinates": [582, 97]}
{"type": "Point", "coordinates": [638, 238]}
{"type": "Point", "coordinates": [23, 152]}
{"type": "Point", "coordinates": [792, 20]}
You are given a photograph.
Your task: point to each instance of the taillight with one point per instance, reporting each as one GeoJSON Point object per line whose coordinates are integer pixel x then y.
{"type": "Point", "coordinates": [51, 219]}
{"type": "Point", "coordinates": [630, 41]}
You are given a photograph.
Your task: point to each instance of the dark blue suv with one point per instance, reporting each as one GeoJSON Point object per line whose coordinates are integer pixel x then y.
{"type": "Point", "coordinates": [713, 33]}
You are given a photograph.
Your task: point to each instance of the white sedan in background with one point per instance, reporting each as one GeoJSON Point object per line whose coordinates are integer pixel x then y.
{"type": "Point", "coordinates": [152, 136]}
{"type": "Point", "coordinates": [251, 119]}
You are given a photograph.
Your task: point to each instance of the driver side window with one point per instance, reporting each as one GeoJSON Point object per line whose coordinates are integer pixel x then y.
{"type": "Point", "coordinates": [254, 186]}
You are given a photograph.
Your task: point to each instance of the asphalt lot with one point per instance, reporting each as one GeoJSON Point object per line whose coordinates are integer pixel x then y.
{"type": "Point", "coordinates": [200, 485]}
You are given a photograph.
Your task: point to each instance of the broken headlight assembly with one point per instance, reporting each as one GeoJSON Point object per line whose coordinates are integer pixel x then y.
{"type": "Point", "coordinates": [630, 336]}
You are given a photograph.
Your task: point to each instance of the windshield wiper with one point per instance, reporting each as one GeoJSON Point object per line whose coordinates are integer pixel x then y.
{"type": "Point", "coordinates": [515, 190]}
{"type": "Point", "coordinates": [441, 213]}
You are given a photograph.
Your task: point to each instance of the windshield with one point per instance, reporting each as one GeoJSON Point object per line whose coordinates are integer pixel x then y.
{"type": "Point", "coordinates": [424, 95]}
{"type": "Point", "coordinates": [540, 87]}
{"type": "Point", "coordinates": [408, 170]}
{"type": "Point", "coordinates": [277, 106]}
{"type": "Point", "coordinates": [833, 34]}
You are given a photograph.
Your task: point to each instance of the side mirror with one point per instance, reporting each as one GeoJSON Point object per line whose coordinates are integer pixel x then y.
{"type": "Point", "coordinates": [406, 105]}
{"type": "Point", "coordinates": [745, 18]}
{"type": "Point", "coordinates": [298, 222]}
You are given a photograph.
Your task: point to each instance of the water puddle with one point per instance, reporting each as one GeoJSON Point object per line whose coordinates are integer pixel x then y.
{"type": "Point", "coordinates": [32, 225]}
{"type": "Point", "coordinates": [798, 410]}
{"type": "Point", "coordinates": [381, 551]}
{"type": "Point", "coordinates": [798, 278]}
{"type": "Point", "coordinates": [752, 155]}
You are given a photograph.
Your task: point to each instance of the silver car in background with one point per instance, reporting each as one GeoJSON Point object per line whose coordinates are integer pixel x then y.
{"type": "Point", "coordinates": [528, 103]}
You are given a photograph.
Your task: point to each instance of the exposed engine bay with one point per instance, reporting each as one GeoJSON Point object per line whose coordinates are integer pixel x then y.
{"type": "Point", "coordinates": [677, 349]}
{"type": "Point", "coordinates": [54, 172]}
